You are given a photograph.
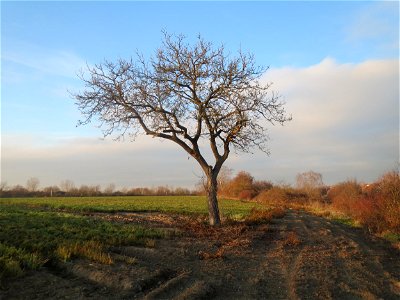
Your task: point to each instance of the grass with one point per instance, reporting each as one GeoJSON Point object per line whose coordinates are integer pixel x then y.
{"type": "Point", "coordinates": [31, 237]}
{"type": "Point", "coordinates": [392, 237]}
{"type": "Point", "coordinates": [39, 230]}
{"type": "Point", "coordinates": [177, 204]}
{"type": "Point", "coordinates": [345, 221]}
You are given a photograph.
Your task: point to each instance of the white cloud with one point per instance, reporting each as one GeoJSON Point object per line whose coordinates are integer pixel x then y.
{"type": "Point", "coordinates": [330, 95]}
{"type": "Point", "coordinates": [345, 118]}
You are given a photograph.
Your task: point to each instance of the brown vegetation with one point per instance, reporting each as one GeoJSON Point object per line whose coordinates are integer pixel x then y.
{"type": "Point", "coordinates": [377, 206]}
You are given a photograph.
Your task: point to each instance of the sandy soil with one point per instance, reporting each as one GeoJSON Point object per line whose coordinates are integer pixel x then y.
{"type": "Point", "coordinates": [299, 256]}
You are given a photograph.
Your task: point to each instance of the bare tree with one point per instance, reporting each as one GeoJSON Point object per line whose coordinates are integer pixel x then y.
{"type": "Point", "coordinates": [109, 189]}
{"type": "Point", "coordinates": [3, 186]}
{"type": "Point", "coordinates": [309, 181]}
{"type": "Point", "coordinates": [67, 185]}
{"type": "Point", "coordinates": [184, 94]}
{"type": "Point", "coordinates": [32, 184]}
{"type": "Point", "coordinates": [224, 176]}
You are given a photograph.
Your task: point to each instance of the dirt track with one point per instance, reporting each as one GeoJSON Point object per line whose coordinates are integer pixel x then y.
{"type": "Point", "coordinates": [300, 256]}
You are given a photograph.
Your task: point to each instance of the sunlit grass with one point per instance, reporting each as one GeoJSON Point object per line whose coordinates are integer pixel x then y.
{"type": "Point", "coordinates": [31, 237]}
{"type": "Point", "coordinates": [174, 204]}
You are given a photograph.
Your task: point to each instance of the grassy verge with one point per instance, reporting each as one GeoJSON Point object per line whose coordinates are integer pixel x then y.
{"type": "Point", "coordinates": [29, 238]}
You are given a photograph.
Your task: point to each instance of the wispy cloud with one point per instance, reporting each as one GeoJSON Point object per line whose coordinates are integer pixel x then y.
{"type": "Point", "coordinates": [377, 21]}
{"type": "Point", "coordinates": [43, 60]}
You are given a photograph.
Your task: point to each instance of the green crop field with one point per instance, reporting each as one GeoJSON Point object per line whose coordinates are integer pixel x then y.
{"type": "Point", "coordinates": [175, 204]}
{"type": "Point", "coordinates": [36, 231]}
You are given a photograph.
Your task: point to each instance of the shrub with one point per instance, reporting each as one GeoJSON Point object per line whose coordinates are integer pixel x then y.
{"type": "Point", "coordinates": [343, 196]}
{"type": "Point", "coordinates": [241, 182]}
{"type": "Point", "coordinates": [389, 199]}
{"type": "Point", "coordinates": [276, 195]}
{"type": "Point", "coordinates": [247, 194]}
{"type": "Point", "coordinates": [262, 185]}
{"type": "Point", "coordinates": [376, 206]}
{"type": "Point", "coordinates": [283, 196]}
{"type": "Point", "coordinates": [366, 211]}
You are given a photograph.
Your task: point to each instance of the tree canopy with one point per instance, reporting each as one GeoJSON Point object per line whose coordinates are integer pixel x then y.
{"type": "Point", "coordinates": [185, 93]}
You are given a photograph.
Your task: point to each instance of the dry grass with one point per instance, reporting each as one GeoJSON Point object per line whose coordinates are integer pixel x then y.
{"type": "Point", "coordinates": [291, 239]}
{"type": "Point", "coordinates": [230, 236]}
{"type": "Point", "coordinates": [92, 250]}
{"type": "Point", "coordinates": [261, 216]}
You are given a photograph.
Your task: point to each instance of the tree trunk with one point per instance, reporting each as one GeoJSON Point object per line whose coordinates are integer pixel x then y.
{"type": "Point", "coordinates": [212, 189]}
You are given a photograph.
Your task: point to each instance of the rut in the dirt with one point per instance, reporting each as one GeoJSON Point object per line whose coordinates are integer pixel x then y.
{"type": "Point", "coordinates": [299, 256]}
{"type": "Point", "coordinates": [331, 261]}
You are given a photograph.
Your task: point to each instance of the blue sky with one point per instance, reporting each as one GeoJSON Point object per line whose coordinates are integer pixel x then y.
{"type": "Point", "coordinates": [335, 64]}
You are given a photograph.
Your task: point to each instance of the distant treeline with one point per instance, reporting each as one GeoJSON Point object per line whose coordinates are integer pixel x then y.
{"type": "Point", "coordinates": [91, 191]}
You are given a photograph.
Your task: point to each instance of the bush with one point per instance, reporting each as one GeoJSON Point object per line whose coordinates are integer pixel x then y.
{"type": "Point", "coordinates": [344, 195]}
{"type": "Point", "coordinates": [389, 186]}
{"type": "Point", "coordinates": [366, 211]}
{"type": "Point", "coordinates": [262, 185]}
{"type": "Point", "coordinates": [275, 196]}
{"type": "Point", "coordinates": [283, 196]}
{"type": "Point", "coordinates": [241, 182]}
{"type": "Point", "coordinates": [376, 206]}
{"type": "Point", "coordinates": [247, 194]}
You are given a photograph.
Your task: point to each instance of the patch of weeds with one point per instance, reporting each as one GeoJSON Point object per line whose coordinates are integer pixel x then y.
{"type": "Point", "coordinates": [291, 239]}
{"type": "Point", "coordinates": [125, 259]}
{"type": "Point", "coordinates": [392, 237]}
{"type": "Point", "coordinates": [13, 261]}
{"type": "Point", "coordinates": [262, 216]}
{"type": "Point", "coordinates": [130, 260]}
{"type": "Point", "coordinates": [150, 243]}
{"type": "Point", "coordinates": [92, 250]}
{"type": "Point", "coordinates": [345, 221]}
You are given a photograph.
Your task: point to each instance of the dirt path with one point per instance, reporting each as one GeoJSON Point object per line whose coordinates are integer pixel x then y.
{"type": "Point", "coordinates": [300, 256]}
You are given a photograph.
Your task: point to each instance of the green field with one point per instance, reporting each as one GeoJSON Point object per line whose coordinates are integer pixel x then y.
{"type": "Point", "coordinates": [175, 204]}
{"type": "Point", "coordinates": [36, 231]}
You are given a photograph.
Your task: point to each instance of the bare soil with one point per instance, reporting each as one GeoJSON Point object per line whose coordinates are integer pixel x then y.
{"type": "Point", "coordinates": [300, 256]}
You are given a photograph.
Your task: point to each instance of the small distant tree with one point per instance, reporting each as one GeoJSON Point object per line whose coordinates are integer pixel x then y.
{"type": "Point", "coordinates": [32, 184]}
{"type": "Point", "coordinates": [184, 94]}
{"type": "Point", "coordinates": [223, 179]}
{"type": "Point", "coordinates": [109, 189]}
{"type": "Point", "coordinates": [3, 186]}
{"type": "Point", "coordinates": [67, 185]}
{"type": "Point", "coordinates": [309, 181]}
